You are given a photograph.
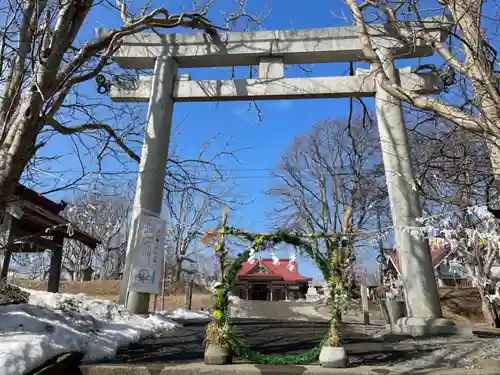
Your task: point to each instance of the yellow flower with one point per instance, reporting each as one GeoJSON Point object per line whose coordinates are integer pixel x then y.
{"type": "Point", "coordinates": [218, 314]}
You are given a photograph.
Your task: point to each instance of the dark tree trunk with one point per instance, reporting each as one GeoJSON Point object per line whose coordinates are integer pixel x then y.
{"type": "Point", "coordinates": [178, 270]}
{"type": "Point", "coordinates": [16, 149]}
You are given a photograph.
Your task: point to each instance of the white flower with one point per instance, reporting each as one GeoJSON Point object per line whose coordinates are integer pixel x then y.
{"type": "Point", "coordinates": [214, 285]}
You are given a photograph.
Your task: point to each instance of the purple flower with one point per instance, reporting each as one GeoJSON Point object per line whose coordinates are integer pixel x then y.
{"type": "Point", "coordinates": [216, 259]}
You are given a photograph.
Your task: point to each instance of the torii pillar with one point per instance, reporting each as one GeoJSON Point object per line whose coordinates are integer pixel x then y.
{"type": "Point", "coordinates": [151, 178]}
{"type": "Point", "coordinates": [417, 270]}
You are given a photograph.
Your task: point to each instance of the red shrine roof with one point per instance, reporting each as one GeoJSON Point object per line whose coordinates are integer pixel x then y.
{"type": "Point", "coordinates": [438, 255]}
{"type": "Point", "coordinates": [265, 269]}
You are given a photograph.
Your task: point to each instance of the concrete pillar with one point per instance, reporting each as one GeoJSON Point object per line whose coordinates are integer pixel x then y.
{"type": "Point", "coordinates": [55, 265]}
{"type": "Point", "coordinates": [151, 179]}
{"type": "Point", "coordinates": [189, 295]}
{"type": "Point", "coordinates": [417, 272]}
{"type": "Point", "coordinates": [364, 304]}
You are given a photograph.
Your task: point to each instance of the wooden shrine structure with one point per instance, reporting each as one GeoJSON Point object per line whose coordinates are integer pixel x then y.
{"type": "Point", "coordinates": [264, 280]}
{"type": "Point", "coordinates": [33, 224]}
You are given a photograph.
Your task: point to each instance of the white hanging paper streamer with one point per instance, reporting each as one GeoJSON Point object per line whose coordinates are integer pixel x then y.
{"type": "Point", "coordinates": [291, 262]}
{"type": "Point", "coordinates": [251, 258]}
{"type": "Point", "coordinates": [276, 260]}
{"type": "Point", "coordinates": [465, 242]}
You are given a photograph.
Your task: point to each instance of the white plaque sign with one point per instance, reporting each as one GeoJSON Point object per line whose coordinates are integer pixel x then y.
{"type": "Point", "coordinates": [148, 253]}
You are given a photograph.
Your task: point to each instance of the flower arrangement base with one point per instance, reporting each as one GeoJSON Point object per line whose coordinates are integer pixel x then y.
{"type": "Point", "coordinates": [333, 357]}
{"type": "Point", "coordinates": [218, 355]}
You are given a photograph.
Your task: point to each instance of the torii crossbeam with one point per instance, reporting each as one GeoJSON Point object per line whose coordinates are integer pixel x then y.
{"type": "Point", "coordinates": [335, 44]}
{"type": "Point", "coordinates": [187, 90]}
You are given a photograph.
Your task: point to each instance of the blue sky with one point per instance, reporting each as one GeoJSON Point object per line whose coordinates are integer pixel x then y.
{"type": "Point", "coordinates": [261, 142]}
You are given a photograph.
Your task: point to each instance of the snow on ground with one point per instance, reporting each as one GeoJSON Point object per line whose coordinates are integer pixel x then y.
{"type": "Point", "coordinates": [181, 313]}
{"type": "Point", "coordinates": [307, 311]}
{"type": "Point", "coordinates": [53, 323]}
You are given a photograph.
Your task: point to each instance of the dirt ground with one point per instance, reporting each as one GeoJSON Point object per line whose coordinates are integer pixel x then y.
{"type": "Point", "coordinates": [109, 290]}
{"type": "Point", "coordinates": [461, 304]}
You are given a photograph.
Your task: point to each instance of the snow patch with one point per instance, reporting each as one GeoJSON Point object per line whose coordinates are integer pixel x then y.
{"type": "Point", "coordinates": [182, 313]}
{"type": "Point", "coordinates": [234, 300]}
{"type": "Point", "coordinates": [54, 323]}
{"type": "Point", "coordinates": [308, 311]}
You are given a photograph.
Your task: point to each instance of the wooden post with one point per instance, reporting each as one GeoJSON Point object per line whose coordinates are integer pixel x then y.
{"type": "Point", "coordinates": [5, 260]}
{"type": "Point", "coordinates": [55, 265]}
{"type": "Point", "coordinates": [364, 304]}
{"type": "Point", "coordinates": [189, 294]}
{"type": "Point", "coordinates": [222, 240]}
{"type": "Point", "coordinates": [5, 246]}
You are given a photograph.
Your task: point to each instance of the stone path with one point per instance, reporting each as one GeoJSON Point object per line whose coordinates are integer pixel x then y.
{"type": "Point", "coordinates": [248, 369]}
{"type": "Point", "coordinates": [366, 345]}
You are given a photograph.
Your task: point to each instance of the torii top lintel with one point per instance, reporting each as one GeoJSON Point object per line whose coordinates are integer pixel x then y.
{"type": "Point", "coordinates": [338, 44]}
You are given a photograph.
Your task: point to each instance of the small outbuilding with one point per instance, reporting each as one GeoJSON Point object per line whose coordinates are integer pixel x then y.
{"type": "Point", "coordinates": [33, 224]}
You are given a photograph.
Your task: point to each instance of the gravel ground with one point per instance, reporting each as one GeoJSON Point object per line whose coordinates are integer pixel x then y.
{"type": "Point", "coordinates": [365, 345]}
{"type": "Point", "coordinates": [436, 352]}
{"type": "Point", "coordinates": [449, 352]}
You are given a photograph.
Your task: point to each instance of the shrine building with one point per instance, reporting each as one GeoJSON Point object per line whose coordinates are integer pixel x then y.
{"type": "Point", "coordinates": [265, 281]}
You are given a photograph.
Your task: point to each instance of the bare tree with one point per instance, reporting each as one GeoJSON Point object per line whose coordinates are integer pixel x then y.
{"type": "Point", "coordinates": [190, 213]}
{"type": "Point", "coordinates": [331, 181]}
{"type": "Point", "coordinates": [34, 265]}
{"type": "Point", "coordinates": [45, 76]}
{"type": "Point", "coordinates": [451, 165]}
{"type": "Point", "coordinates": [468, 58]}
{"type": "Point", "coordinates": [454, 173]}
{"type": "Point", "coordinates": [103, 215]}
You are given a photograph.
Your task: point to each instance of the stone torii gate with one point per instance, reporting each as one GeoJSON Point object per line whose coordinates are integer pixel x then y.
{"type": "Point", "coordinates": [271, 50]}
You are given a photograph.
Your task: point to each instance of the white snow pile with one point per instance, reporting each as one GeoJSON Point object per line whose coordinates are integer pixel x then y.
{"type": "Point", "coordinates": [236, 308]}
{"type": "Point", "coordinates": [53, 323]}
{"type": "Point", "coordinates": [307, 312]}
{"type": "Point", "coordinates": [234, 300]}
{"type": "Point", "coordinates": [181, 313]}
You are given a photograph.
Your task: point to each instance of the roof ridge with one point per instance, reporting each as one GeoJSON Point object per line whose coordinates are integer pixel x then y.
{"type": "Point", "coordinates": [271, 259]}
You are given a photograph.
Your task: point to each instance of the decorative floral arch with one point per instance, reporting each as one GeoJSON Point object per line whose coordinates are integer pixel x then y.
{"type": "Point", "coordinates": [332, 270]}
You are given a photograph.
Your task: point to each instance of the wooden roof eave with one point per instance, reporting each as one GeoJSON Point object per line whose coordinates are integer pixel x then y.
{"type": "Point", "coordinates": [25, 194]}
{"type": "Point", "coordinates": [394, 265]}
{"type": "Point", "coordinates": [44, 218]}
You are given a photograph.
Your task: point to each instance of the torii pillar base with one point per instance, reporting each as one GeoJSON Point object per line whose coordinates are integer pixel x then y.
{"type": "Point", "coordinates": [422, 327]}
